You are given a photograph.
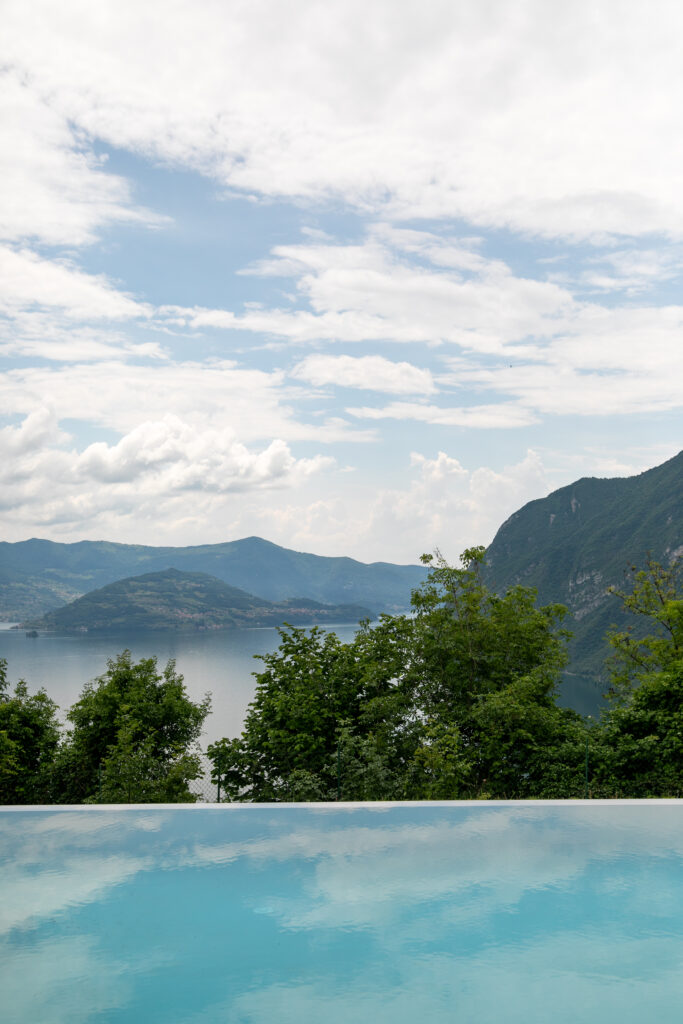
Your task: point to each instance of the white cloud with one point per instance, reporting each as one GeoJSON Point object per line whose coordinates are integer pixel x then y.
{"type": "Point", "coordinates": [367, 373]}
{"type": "Point", "coordinates": [533, 119]}
{"type": "Point", "coordinates": [479, 416]}
{"type": "Point", "coordinates": [438, 503]}
{"type": "Point", "coordinates": [375, 291]}
{"type": "Point", "coordinates": [160, 467]}
{"type": "Point", "coordinates": [119, 396]}
{"type": "Point", "coordinates": [55, 190]}
{"type": "Point", "coordinates": [26, 280]}
{"type": "Point", "coordinates": [179, 457]}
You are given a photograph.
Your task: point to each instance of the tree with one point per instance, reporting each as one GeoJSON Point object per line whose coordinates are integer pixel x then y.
{"type": "Point", "coordinates": [486, 669]}
{"type": "Point", "coordinates": [454, 701]}
{"type": "Point", "coordinates": [642, 740]}
{"type": "Point", "coordinates": [134, 737]}
{"type": "Point", "coordinates": [641, 749]}
{"type": "Point", "coordinates": [313, 695]}
{"type": "Point", "coordinates": [653, 599]}
{"type": "Point", "coordinates": [29, 736]}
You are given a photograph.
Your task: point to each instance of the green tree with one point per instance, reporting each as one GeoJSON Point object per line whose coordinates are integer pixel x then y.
{"type": "Point", "coordinates": [29, 737]}
{"type": "Point", "coordinates": [485, 671]}
{"type": "Point", "coordinates": [133, 738]}
{"type": "Point", "coordinates": [652, 599]}
{"type": "Point", "coordinates": [641, 736]}
{"type": "Point", "coordinates": [641, 753]}
{"type": "Point", "coordinates": [314, 693]}
{"type": "Point", "coordinates": [457, 700]}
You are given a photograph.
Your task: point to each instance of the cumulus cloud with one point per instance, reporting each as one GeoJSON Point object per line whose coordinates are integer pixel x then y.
{"type": "Point", "coordinates": [526, 120]}
{"type": "Point", "coordinates": [159, 465]}
{"type": "Point", "coordinates": [181, 457]}
{"type": "Point", "coordinates": [438, 503]}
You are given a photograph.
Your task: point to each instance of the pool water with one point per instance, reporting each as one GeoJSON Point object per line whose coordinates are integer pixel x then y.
{"type": "Point", "coordinates": [473, 913]}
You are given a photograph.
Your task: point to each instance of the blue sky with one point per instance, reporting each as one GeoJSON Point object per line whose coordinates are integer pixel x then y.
{"type": "Point", "coordinates": [360, 281]}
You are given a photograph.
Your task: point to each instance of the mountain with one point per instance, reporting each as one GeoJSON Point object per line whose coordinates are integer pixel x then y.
{"type": "Point", "coordinates": [37, 576]}
{"type": "Point", "coordinates": [583, 538]}
{"type": "Point", "coordinates": [185, 601]}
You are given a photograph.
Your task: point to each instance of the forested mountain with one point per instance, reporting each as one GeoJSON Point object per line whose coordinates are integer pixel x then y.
{"type": "Point", "coordinates": [37, 576]}
{"type": "Point", "coordinates": [582, 539]}
{"type": "Point", "coordinates": [186, 601]}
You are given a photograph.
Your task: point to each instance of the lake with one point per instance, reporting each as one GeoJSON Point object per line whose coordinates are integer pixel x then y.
{"type": "Point", "coordinates": [221, 661]}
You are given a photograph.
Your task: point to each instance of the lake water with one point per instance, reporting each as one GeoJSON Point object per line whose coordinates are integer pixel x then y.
{"type": "Point", "coordinates": [221, 662]}
{"type": "Point", "coordinates": [382, 914]}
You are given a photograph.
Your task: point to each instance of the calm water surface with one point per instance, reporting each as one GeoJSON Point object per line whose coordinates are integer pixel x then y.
{"type": "Point", "coordinates": [221, 662]}
{"type": "Point", "coordinates": [389, 914]}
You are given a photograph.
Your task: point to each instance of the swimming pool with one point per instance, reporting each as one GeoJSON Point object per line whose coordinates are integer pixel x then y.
{"type": "Point", "coordinates": [473, 913]}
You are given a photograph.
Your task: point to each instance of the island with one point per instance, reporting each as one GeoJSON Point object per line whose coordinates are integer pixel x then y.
{"type": "Point", "coordinates": [186, 601]}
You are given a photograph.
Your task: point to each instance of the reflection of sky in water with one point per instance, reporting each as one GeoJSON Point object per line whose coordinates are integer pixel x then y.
{"type": "Point", "coordinates": [501, 912]}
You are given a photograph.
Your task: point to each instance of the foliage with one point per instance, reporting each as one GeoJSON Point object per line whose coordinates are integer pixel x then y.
{"type": "Point", "coordinates": [455, 701]}
{"type": "Point", "coordinates": [313, 695]}
{"type": "Point", "coordinates": [642, 740]}
{"type": "Point", "coordinates": [29, 735]}
{"type": "Point", "coordinates": [652, 598]}
{"type": "Point", "coordinates": [134, 737]}
{"type": "Point", "coordinates": [641, 753]}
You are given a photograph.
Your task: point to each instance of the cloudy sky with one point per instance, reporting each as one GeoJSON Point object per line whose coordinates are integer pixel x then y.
{"type": "Point", "coordinates": [358, 278]}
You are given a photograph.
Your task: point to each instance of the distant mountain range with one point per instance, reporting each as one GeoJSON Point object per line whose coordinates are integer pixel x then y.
{"type": "Point", "coordinates": [38, 576]}
{"type": "Point", "coordinates": [174, 600]}
{"type": "Point", "coordinates": [583, 538]}
{"type": "Point", "coordinates": [571, 546]}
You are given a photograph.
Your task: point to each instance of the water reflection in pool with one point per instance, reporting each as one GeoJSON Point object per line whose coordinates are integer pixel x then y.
{"type": "Point", "coordinates": [472, 913]}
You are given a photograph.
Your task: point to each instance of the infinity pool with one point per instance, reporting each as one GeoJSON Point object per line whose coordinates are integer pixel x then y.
{"type": "Point", "coordinates": [410, 914]}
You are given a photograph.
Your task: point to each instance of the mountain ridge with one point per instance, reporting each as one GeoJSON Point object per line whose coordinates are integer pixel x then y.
{"type": "Point", "coordinates": [37, 575]}
{"type": "Point", "coordinates": [583, 538]}
{"type": "Point", "coordinates": [176, 600]}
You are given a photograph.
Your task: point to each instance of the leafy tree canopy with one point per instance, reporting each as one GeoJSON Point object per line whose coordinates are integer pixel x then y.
{"type": "Point", "coordinates": [641, 736]}
{"type": "Point", "coordinates": [134, 737]}
{"type": "Point", "coordinates": [456, 700]}
{"type": "Point", "coordinates": [29, 735]}
{"type": "Point", "coordinates": [653, 599]}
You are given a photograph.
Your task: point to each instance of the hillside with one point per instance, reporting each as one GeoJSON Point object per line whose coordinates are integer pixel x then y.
{"type": "Point", "coordinates": [185, 601]}
{"type": "Point", "coordinates": [37, 576]}
{"type": "Point", "coordinates": [583, 538]}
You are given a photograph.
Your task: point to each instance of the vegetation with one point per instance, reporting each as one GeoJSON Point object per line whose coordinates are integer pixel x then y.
{"type": "Point", "coordinates": [454, 701]}
{"type": "Point", "coordinates": [133, 740]}
{"type": "Point", "coordinates": [29, 738]}
{"type": "Point", "coordinates": [642, 736]}
{"type": "Point", "coordinates": [184, 601]}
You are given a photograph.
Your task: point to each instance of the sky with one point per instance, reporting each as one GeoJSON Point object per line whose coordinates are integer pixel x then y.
{"type": "Point", "coordinates": [361, 279]}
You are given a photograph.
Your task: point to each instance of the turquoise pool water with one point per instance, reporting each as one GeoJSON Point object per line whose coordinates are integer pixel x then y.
{"type": "Point", "coordinates": [392, 913]}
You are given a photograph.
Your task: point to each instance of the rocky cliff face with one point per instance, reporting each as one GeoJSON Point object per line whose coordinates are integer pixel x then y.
{"type": "Point", "coordinates": [582, 539]}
